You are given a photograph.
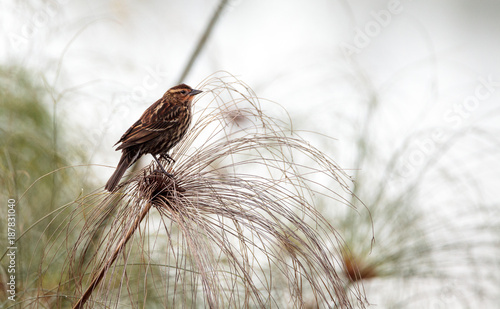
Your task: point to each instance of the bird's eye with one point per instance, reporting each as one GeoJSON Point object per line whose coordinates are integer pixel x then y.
{"type": "Point", "coordinates": [183, 92]}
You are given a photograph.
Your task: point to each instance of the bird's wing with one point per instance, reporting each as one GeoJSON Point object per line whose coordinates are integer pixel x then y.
{"type": "Point", "coordinates": [146, 129]}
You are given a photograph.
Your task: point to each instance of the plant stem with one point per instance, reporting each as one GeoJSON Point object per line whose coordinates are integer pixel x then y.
{"type": "Point", "coordinates": [203, 39]}
{"type": "Point", "coordinates": [119, 248]}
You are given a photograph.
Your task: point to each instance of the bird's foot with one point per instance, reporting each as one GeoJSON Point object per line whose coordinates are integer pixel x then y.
{"type": "Point", "coordinates": [162, 168]}
{"type": "Point", "coordinates": [167, 157]}
{"type": "Point", "coordinates": [162, 171]}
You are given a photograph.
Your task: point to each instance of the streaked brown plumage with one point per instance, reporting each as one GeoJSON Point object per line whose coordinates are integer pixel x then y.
{"type": "Point", "coordinates": [159, 129]}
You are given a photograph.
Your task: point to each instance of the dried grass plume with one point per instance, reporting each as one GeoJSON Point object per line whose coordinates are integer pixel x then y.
{"type": "Point", "coordinates": [236, 227]}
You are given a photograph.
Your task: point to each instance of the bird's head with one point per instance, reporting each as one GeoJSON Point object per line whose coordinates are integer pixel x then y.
{"type": "Point", "coordinates": [182, 93]}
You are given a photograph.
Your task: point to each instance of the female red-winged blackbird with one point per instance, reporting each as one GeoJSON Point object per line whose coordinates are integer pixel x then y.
{"type": "Point", "coordinates": [159, 129]}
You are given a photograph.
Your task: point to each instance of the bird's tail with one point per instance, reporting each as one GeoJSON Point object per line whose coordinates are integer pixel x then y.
{"type": "Point", "coordinates": [125, 161]}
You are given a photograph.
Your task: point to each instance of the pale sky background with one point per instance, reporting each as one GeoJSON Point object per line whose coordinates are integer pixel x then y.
{"type": "Point", "coordinates": [426, 62]}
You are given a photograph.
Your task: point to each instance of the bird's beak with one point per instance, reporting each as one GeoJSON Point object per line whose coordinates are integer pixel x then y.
{"type": "Point", "coordinates": [195, 92]}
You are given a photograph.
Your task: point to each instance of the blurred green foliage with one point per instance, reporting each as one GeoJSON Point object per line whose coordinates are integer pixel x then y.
{"type": "Point", "coordinates": [34, 170]}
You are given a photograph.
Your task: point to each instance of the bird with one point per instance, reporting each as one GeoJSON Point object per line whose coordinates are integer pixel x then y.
{"type": "Point", "coordinates": [160, 128]}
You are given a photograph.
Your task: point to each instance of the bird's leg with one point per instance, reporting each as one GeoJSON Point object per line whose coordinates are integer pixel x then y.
{"type": "Point", "coordinates": [167, 157]}
{"type": "Point", "coordinates": [162, 168]}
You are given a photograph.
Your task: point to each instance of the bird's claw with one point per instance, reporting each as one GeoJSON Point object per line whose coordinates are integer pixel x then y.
{"type": "Point", "coordinates": [167, 158]}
